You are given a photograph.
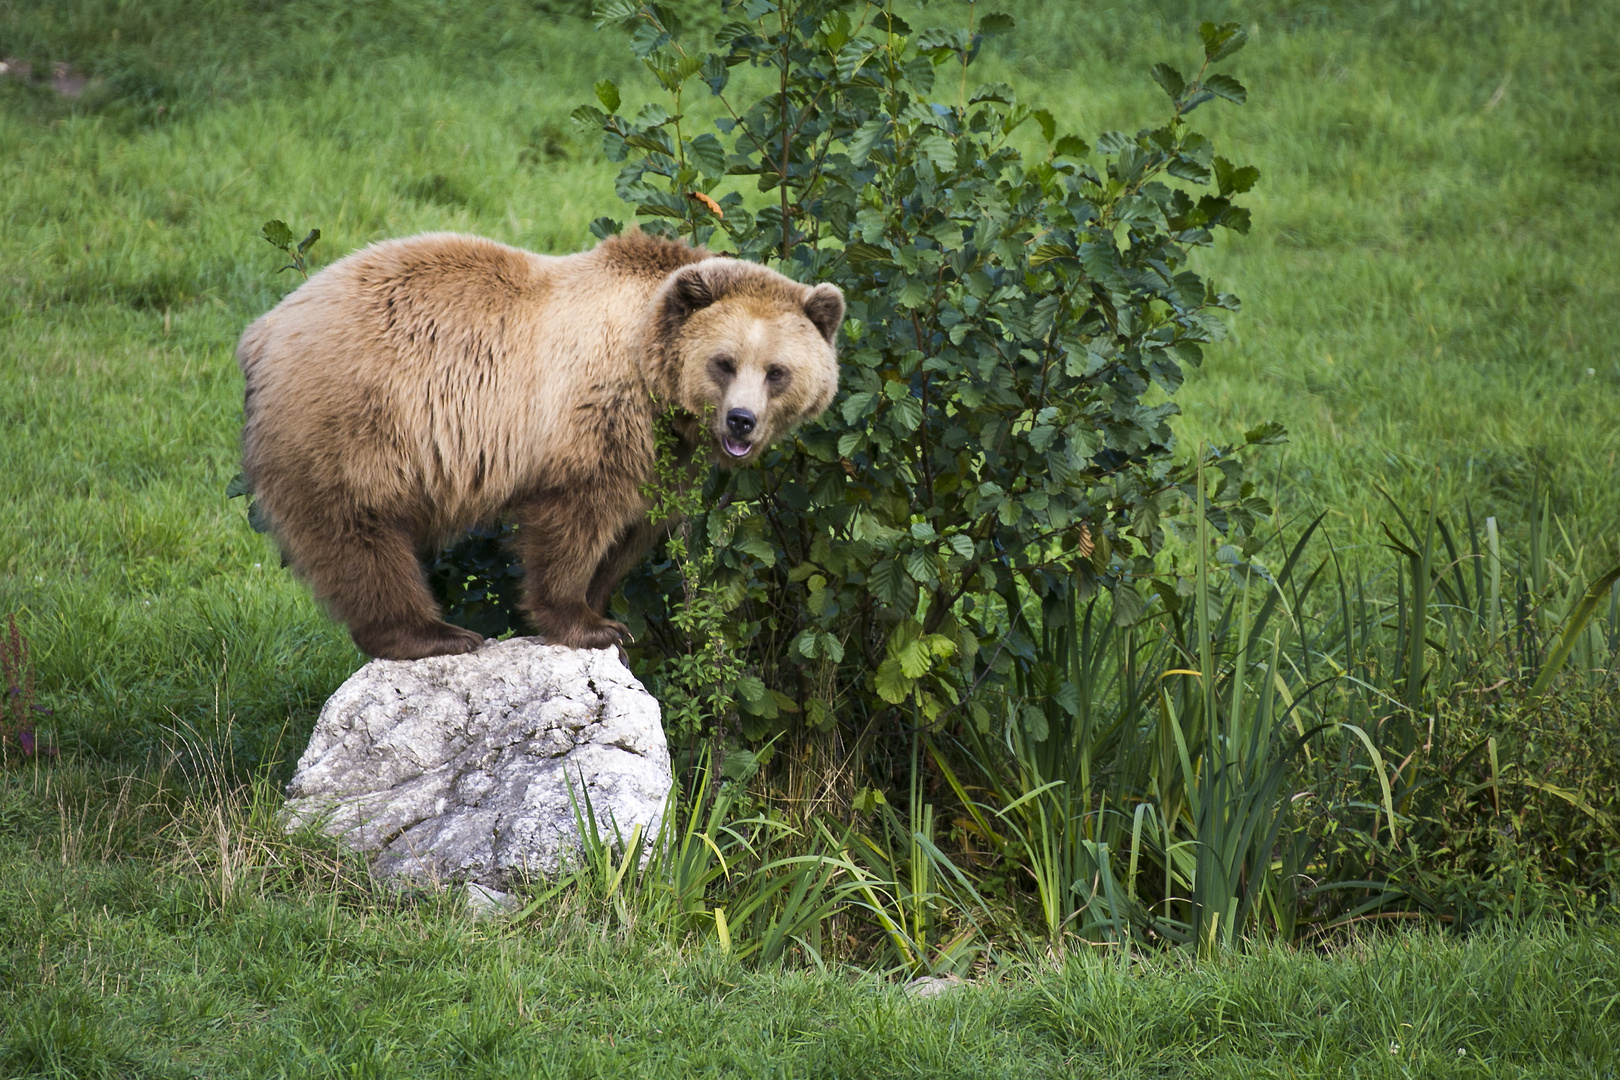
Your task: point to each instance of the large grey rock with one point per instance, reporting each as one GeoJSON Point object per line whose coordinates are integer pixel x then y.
{"type": "Point", "coordinates": [459, 767]}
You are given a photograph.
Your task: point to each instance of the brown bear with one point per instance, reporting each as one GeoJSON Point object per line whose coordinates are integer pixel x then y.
{"type": "Point", "coordinates": [420, 386]}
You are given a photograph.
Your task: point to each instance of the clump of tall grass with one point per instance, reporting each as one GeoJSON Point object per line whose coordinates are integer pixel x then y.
{"type": "Point", "coordinates": [1285, 752]}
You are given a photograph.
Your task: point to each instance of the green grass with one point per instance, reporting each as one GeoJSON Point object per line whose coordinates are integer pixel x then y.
{"type": "Point", "coordinates": [1429, 289]}
{"type": "Point", "coordinates": [252, 959]}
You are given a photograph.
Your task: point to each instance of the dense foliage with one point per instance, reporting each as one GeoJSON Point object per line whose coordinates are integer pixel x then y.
{"type": "Point", "coordinates": [1018, 320]}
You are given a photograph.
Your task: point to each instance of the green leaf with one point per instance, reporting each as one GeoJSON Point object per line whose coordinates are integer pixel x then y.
{"type": "Point", "coordinates": [1269, 433]}
{"type": "Point", "coordinates": [998, 92]}
{"type": "Point", "coordinates": [611, 11]}
{"type": "Point", "coordinates": [890, 23]}
{"type": "Point", "coordinates": [997, 23]}
{"type": "Point", "coordinates": [1222, 41]}
{"type": "Point", "coordinates": [1169, 78]}
{"type": "Point", "coordinates": [1048, 123]}
{"type": "Point", "coordinates": [309, 241]}
{"type": "Point", "coordinates": [751, 689]}
{"type": "Point", "coordinates": [867, 253]}
{"type": "Point", "coordinates": [708, 155]}
{"type": "Point", "coordinates": [805, 644]}
{"type": "Point", "coordinates": [715, 73]}
{"type": "Point", "coordinates": [1187, 169]}
{"type": "Point", "coordinates": [914, 294]}
{"type": "Point", "coordinates": [608, 94]}
{"type": "Point", "coordinates": [853, 56]}
{"type": "Point", "coordinates": [1233, 180]}
{"type": "Point", "coordinates": [1127, 605]}
{"type": "Point", "coordinates": [278, 234]}
{"type": "Point", "coordinates": [1033, 719]}
{"type": "Point", "coordinates": [939, 150]}
{"type": "Point", "coordinates": [865, 139]}
{"type": "Point", "coordinates": [891, 683]}
{"type": "Point", "coordinates": [887, 581]}
{"type": "Point", "coordinates": [1070, 146]}
{"type": "Point", "coordinates": [914, 659]}
{"type": "Point", "coordinates": [920, 565]}
{"type": "Point", "coordinates": [604, 227]}
{"type": "Point", "coordinates": [759, 549]}
{"type": "Point", "coordinates": [588, 116]}
{"type": "Point", "coordinates": [1227, 87]}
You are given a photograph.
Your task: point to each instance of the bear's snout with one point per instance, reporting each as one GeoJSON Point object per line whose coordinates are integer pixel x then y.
{"type": "Point", "coordinates": [740, 423]}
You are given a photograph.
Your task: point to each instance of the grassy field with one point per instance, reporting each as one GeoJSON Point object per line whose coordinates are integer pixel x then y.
{"type": "Point", "coordinates": [138, 938]}
{"type": "Point", "coordinates": [1429, 292]}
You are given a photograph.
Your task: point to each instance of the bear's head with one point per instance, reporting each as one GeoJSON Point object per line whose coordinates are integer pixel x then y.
{"type": "Point", "coordinates": [746, 352]}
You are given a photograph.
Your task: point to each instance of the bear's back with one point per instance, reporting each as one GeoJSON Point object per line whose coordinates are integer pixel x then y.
{"type": "Point", "coordinates": [448, 364]}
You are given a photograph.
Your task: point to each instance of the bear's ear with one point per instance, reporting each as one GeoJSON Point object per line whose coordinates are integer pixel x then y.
{"type": "Point", "coordinates": [825, 309]}
{"type": "Point", "coordinates": [696, 286]}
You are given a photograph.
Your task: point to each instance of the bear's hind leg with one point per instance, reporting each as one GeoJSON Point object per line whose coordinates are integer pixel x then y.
{"type": "Point", "coordinates": [563, 539]}
{"type": "Point", "coordinates": [367, 574]}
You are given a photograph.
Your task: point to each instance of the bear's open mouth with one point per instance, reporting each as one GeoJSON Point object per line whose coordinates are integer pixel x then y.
{"type": "Point", "coordinates": [735, 447]}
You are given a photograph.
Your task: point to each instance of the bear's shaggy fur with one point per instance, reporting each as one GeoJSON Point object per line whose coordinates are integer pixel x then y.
{"type": "Point", "coordinates": [420, 386]}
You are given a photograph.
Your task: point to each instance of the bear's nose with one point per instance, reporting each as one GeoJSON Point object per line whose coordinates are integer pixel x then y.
{"type": "Point", "coordinates": [740, 422]}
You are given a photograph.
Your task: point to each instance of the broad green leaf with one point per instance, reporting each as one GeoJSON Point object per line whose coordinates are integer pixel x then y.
{"type": "Point", "coordinates": [891, 683]}
{"type": "Point", "coordinates": [831, 648]}
{"type": "Point", "coordinates": [1222, 41]}
{"type": "Point", "coordinates": [853, 55]}
{"type": "Point", "coordinates": [920, 565]}
{"type": "Point", "coordinates": [865, 139]}
{"type": "Point", "coordinates": [611, 11]}
{"type": "Point", "coordinates": [1269, 433]}
{"type": "Point", "coordinates": [759, 549]}
{"type": "Point", "coordinates": [1233, 180]}
{"type": "Point", "coordinates": [607, 92]}
{"type": "Point", "coordinates": [998, 92]}
{"type": "Point", "coordinates": [890, 23]}
{"type": "Point", "coordinates": [1127, 605]}
{"type": "Point", "coordinates": [708, 155]}
{"type": "Point", "coordinates": [938, 149]}
{"type": "Point", "coordinates": [751, 689]}
{"type": "Point", "coordinates": [1169, 78]}
{"type": "Point", "coordinates": [805, 645]}
{"type": "Point", "coordinates": [1033, 720]}
{"type": "Point", "coordinates": [1047, 122]}
{"type": "Point", "coordinates": [1227, 87]}
{"type": "Point", "coordinates": [887, 581]}
{"type": "Point", "coordinates": [1070, 146]}
{"type": "Point", "coordinates": [588, 116]}
{"type": "Point", "coordinates": [278, 234]}
{"type": "Point", "coordinates": [914, 659]}
{"type": "Point", "coordinates": [996, 23]}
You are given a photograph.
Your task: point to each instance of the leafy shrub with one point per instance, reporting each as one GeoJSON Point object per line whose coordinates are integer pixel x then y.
{"type": "Point", "coordinates": [1018, 322]}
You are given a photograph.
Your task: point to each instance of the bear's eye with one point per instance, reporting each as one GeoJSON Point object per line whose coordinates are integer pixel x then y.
{"type": "Point", "coordinates": [776, 375]}
{"type": "Point", "coordinates": [725, 366]}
